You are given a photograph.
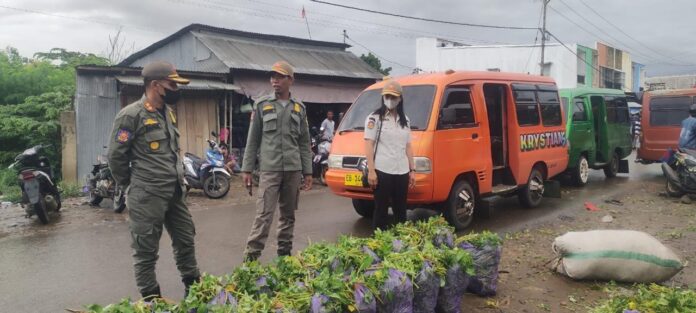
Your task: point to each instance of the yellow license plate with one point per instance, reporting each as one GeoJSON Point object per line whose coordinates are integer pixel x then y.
{"type": "Point", "coordinates": [354, 180]}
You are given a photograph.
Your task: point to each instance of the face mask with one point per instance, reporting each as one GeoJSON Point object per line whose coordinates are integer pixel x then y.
{"type": "Point", "coordinates": [171, 96]}
{"type": "Point", "coordinates": [391, 103]}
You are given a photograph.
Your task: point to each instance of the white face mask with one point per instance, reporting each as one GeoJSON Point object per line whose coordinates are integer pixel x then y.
{"type": "Point", "coordinates": [390, 103]}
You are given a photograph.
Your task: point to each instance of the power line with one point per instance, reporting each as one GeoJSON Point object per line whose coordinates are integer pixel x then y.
{"type": "Point", "coordinates": [377, 55]}
{"type": "Point", "coordinates": [626, 34]}
{"type": "Point", "coordinates": [425, 19]}
{"type": "Point", "coordinates": [536, 38]}
{"type": "Point", "coordinates": [575, 53]}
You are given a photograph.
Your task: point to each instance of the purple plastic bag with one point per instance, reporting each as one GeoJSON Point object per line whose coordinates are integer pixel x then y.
{"type": "Point", "coordinates": [396, 294]}
{"type": "Point", "coordinates": [365, 301]}
{"type": "Point", "coordinates": [444, 237]}
{"type": "Point", "coordinates": [449, 299]}
{"type": "Point", "coordinates": [486, 262]}
{"type": "Point", "coordinates": [224, 298]}
{"type": "Point", "coordinates": [262, 284]}
{"type": "Point", "coordinates": [372, 254]}
{"type": "Point", "coordinates": [317, 304]}
{"type": "Point", "coordinates": [425, 290]}
{"type": "Point", "coordinates": [397, 245]}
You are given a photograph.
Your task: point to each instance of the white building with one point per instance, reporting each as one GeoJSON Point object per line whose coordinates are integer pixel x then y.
{"type": "Point", "coordinates": [434, 55]}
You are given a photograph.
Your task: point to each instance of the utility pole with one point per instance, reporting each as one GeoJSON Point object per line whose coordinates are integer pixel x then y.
{"type": "Point", "coordinates": [543, 39]}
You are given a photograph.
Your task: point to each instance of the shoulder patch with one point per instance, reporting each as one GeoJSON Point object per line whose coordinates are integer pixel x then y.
{"type": "Point", "coordinates": [267, 107]}
{"type": "Point", "coordinates": [297, 107]}
{"type": "Point", "coordinates": [123, 135]}
{"type": "Point", "coordinates": [172, 116]}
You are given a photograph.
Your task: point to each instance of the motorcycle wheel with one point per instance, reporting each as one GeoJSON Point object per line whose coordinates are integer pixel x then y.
{"type": "Point", "coordinates": [94, 200]}
{"type": "Point", "coordinates": [40, 211]}
{"type": "Point", "coordinates": [672, 190]}
{"type": "Point", "coordinates": [216, 187]}
{"type": "Point", "coordinates": [322, 175]}
{"type": "Point", "coordinates": [119, 200]}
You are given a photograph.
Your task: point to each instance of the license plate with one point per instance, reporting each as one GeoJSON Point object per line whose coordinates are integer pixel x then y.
{"type": "Point", "coordinates": [354, 180]}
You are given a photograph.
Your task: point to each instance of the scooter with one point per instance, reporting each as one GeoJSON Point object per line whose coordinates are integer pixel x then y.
{"type": "Point", "coordinates": [320, 161]}
{"type": "Point", "coordinates": [209, 174]}
{"type": "Point", "coordinates": [40, 195]}
{"type": "Point", "coordinates": [679, 169]}
{"type": "Point", "coordinates": [100, 184]}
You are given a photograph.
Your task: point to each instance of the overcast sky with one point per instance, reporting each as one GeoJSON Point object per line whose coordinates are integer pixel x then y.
{"type": "Point", "coordinates": [660, 34]}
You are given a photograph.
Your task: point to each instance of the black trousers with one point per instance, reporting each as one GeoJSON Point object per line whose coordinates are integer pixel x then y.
{"type": "Point", "coordinates": [391, 189]}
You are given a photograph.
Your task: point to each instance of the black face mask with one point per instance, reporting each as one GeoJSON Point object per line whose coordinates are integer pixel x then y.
{"type": "Point", "coordinates": [171, 96]}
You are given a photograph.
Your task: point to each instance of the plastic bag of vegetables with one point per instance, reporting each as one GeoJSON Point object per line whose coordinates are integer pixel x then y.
{"type": "Point", "coordinates": [486, 250]}
{"type": "Point", "coordinates": [425, 290]}
{"type": "Point", "coordinates": [396, 295]}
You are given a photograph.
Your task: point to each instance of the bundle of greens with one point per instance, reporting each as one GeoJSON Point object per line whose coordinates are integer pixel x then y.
{"type": "Point", "coordinates": [414, 266]}
{"type": "Point", "coordinates": [650, 299]}
{"type": "Point", "coordinates": [486, 250]}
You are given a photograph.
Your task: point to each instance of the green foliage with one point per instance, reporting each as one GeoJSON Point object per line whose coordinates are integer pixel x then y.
{"type": "Point", "coordinates": [375, 63]}
{"type": "Point", "coordinates": [652, 298]}
{"type": "Point", "coordinates": [482, 239]}
{"type": "Point", "coordinates": [68, 190]}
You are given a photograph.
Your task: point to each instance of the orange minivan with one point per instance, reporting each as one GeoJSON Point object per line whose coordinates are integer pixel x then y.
{"type": "Point", "coordinates": [661, 117]}
{"type": "Point", "coordinates": [474, 134]}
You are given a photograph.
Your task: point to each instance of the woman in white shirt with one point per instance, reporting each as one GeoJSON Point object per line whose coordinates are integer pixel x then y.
{"type": "Point", "coordinates": [389, 155]}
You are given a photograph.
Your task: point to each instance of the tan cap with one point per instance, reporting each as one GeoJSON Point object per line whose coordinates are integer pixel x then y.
{"type": "Point", "coordinates": [392, 87]}
{"type": "Point", "coordinates": [160, 70]}
{"type": "Point", "coordinates": [284, 68]}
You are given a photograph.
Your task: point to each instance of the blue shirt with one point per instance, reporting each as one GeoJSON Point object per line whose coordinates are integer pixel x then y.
{"type": "Point", "coordinates": [687, 137]}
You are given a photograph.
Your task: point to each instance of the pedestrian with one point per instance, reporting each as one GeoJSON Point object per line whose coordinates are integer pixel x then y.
{"type": "Point", "coordinates": [389, 156]}
{"type": "Point", "coordinates": [687, 136]}
{"type": "Point", "coordinates": [279, 134]}
{"type": "Point", "coordinates": [144, 155]}
{"type": "Point", "coordinates": [328, 126]}
{"type": "Point", "coordinates": [229, 159]}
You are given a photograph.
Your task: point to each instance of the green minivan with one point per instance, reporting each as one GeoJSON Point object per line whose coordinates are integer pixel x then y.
{"type": "Point", "coordinates": [598, 130]}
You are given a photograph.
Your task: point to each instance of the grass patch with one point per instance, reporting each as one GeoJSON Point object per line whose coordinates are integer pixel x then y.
{"type": "Point", "coordinates": [70, 190]}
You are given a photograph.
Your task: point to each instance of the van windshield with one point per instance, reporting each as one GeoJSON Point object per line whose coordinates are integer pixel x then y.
{"type": "Point", "coordinates": [418, 103]}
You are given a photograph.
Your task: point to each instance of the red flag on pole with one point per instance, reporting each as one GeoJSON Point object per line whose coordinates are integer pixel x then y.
{"type": "Point", "coordinates": [303, 12]}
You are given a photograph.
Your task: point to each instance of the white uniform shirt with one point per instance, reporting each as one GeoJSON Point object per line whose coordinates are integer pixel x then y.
{"type": "Point", "coordinates": [391, 155]}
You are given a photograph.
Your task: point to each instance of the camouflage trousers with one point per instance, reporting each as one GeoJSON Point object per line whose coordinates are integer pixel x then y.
{"type": "Point", "coordinates": [150, 210]}
{"type": "Point", "coordinates": [276, 189]}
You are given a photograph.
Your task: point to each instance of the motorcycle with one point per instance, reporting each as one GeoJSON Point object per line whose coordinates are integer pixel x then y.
{"type": "Point", "coordinates": [679, 168]}
{"type": "Point", "coordinates": [320, 160]}
{"type": "Point", "coordinates": [209, 174]}
{"type": "Point", "coordinates": [40, 195]}
{"type": "Point", "coordinates": [100, 184]}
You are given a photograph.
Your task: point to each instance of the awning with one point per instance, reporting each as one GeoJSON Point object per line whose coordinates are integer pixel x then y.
{"type": "Point", "coordinates": [195, 84]}
{"type": "Point", "coordinates": [314, 91]}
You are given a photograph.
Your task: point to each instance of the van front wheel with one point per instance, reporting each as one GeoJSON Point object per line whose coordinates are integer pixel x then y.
{"type": "Point", "coordinates": [581, 173]}
{"type": "Point", "coordinates": [459, 210]}
{"type": "Point", "coordinates": [531, 195]}
{"type": "Point", "coordinates": [364, 208]}
{"type": "Point", "coordinates": [611, 169]}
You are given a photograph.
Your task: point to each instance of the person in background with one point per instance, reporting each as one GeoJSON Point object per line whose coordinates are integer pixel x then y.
{"type": "Point", "coordinates": [389, 155]}
{"type": "Point", "coordinates": [328, 126]}
{"type": "Point", "coordinates": [687, 137]}
{"type": "Point", "coordinates": [229, 159]}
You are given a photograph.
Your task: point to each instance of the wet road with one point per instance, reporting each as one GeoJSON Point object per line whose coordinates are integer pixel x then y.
{"type": "Point", "coordinates": [74, 265]}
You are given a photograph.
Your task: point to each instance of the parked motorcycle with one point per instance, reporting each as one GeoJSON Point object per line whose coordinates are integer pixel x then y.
{"type": "Point", "coordinates": [40, 195]}
{"type": "Point", "coordinates": [100, 184]}
{"type": "Point", "coordinates": [209, 174]}
{"type": "Point", "coordinates": [679, 169]}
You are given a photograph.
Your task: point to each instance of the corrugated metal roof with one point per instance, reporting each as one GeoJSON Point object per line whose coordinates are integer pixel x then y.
{"type": "Point", "coordinates": [195, 84]}
{"type": "Point", "coordinates": [260, 56]}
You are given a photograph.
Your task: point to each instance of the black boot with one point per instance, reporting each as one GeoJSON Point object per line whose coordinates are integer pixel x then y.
{"type": "Point", "coordinates": [284, 252]}
{"type": "Point", "coordinates": [188, 281]}
{"type": "Point", "coordinates": [151, 294]}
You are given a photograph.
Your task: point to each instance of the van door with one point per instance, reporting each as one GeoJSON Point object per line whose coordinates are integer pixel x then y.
{"type": "Point", "coordinates": [495, 97]}
{"type": "Point", "coordinates": [458, 141]}
{"type": "Point", "coordinates": [581, 132]}
{"type": "Point", "coordinates": [618, 126]}
{"type": "Point", "coordinates": [599, 121]}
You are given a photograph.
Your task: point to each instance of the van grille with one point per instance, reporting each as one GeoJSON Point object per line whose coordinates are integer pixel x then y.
{"type": "Point", "coordinates": [351, 162]}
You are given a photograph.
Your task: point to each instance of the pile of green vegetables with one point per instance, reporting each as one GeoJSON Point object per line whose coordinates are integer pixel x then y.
{"type": "Point", "coordinates": [650, 299]}
{"type": "Point", "coordinates": [333, 270]}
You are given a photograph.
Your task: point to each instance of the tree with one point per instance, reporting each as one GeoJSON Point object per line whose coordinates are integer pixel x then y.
{"type": "Point", "coordinates": [375, 63]}
{"type": "Point", "coordinates": [70, 59]}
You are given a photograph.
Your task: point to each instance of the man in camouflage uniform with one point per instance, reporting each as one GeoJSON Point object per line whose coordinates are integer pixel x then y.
{"type": "Point", "coordinates": [144, 155]}
{"type": "Point", "coordinates": [280, 136]}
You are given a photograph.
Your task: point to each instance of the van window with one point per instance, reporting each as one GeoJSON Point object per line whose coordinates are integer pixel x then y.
{"type": "Point", "coordinates": [617, 110]}
{"type": "Point", "coordinates": [457, 110]}
{"type": "Point", "coordinates": [579, 113]}
{"type": "Point", "coordinates": [418, 104]}
{"type": "Point", "coordinates": [669, 111]}
{"type": "Point", "coordinates": [526, 105]}
{"type": "Point", "coordinates": [550, 108]}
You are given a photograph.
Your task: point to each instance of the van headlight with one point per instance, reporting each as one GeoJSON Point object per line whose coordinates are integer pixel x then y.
{"type": "Point", "coordinates": [335, 161]}
{"type": "Point", "coordinates": [423, 165]}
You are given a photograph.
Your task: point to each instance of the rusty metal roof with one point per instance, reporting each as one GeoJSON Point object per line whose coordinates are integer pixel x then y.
{"type": "Point", "coordinates": [195, 83]}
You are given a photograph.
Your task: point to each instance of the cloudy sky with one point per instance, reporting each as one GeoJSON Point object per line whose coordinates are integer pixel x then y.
{"type": "Point", "coordinates": [659, 34]}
